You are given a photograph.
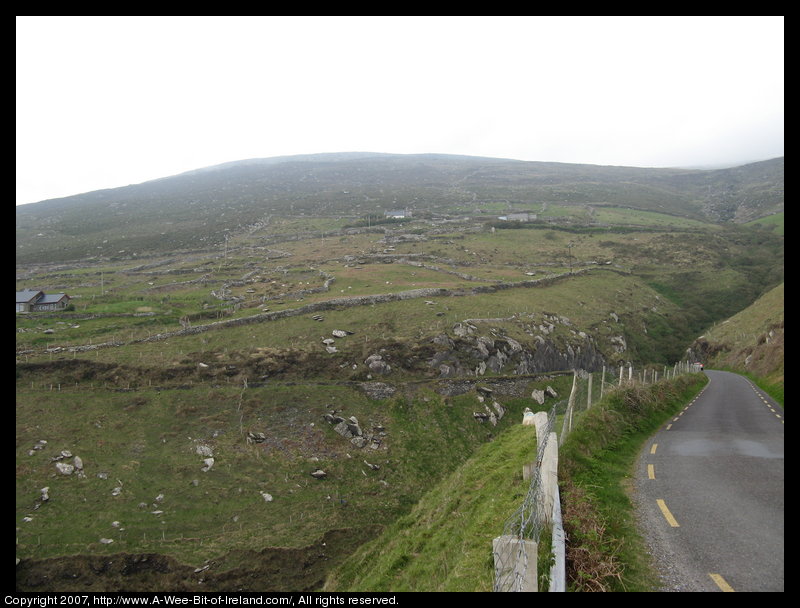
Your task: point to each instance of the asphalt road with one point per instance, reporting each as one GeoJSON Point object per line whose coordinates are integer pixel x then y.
{"type": "Point", "coordinates": [709, 491]}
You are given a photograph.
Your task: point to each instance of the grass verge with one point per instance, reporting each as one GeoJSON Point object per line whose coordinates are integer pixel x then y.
{"type": "Point", "coordinates": [604, 549]}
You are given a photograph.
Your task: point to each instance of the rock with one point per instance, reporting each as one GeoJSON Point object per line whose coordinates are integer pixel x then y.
{"type": "Point", "coordinates": [550, 392]}
{"type": "Point", "coordinates": [64, 468]}
{"type": "Point", "coordinates": [106, 541]}
{"type": "Point", "coordinates": [266, 496]}
{"type": "Point", "coordinates": [377, 365]}
{"type": "Point", "coordinates": [77, 462]}
{"type": "Point", "coordinates": [116, 491]}
{"type": "Point", "coordinates": [501, 411]}
{"type": "Point", "coordinates": [204, 450]}
{"type": "Point", "coordinates": [538, 396]}
{"type": "Point", "coordinates": [339, 333]}
{"type": "Point", "coordinates": [256, 437]}
{"type": "Point", "coordinates": [45, 494]}
{"type": "Point", "coordinates": [208, 463]}
{"type": "Point", "coordinates": [319, 474]}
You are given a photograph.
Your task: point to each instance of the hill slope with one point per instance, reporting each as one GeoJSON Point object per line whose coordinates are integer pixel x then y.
{"type": "Point", "coordinates": [750, 342]}
{"type": "Point", "coordinates": [198, 209]}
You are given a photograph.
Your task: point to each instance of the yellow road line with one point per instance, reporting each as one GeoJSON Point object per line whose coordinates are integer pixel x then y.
{"type": "Point", "coordinates": [721, 582]}
{"type": "Point", "coordinates": [667, 515]}
{"type": "Point", "coordinates": [653, 449]}
{"type": "Point", "coordinates": [651, 472]}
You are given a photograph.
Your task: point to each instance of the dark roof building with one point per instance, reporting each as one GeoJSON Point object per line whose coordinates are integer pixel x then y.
{"type": "Point", "coordinates": [30, 300]}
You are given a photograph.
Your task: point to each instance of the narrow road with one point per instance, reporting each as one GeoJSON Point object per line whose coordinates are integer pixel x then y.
{"type": "Point", "coordinates": [709, 491]}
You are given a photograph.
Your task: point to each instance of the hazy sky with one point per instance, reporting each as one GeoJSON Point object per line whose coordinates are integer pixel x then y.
{"type": "Point", "coordinates": [109, 101]}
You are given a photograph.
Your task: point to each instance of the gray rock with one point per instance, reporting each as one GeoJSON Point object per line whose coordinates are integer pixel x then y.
{"type": "Point", "coordinates": [319, 474]}
{"type": "Point", "coordinates": [64, 468]}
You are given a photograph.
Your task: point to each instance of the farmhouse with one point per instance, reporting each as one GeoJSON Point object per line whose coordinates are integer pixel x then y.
{"type": "Point", "coordinates": [398, 213]}
{"type": "Point", "coordinates": [31, 300]}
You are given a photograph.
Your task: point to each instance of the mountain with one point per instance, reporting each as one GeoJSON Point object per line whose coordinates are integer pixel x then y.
{"type": "Point", "coordinates": [197, 209]}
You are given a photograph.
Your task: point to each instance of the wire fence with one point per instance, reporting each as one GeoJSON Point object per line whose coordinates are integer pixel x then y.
{"type": "Point", "coordinates": [517, 553]}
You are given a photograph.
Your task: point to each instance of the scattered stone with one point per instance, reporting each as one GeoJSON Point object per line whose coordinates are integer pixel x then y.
{"type": "Point", "coordinates": [501, 411]}
{"type": "Point", "coordinates": [550, 392]}
{"type": "Point", "coordinates": [115, 524]}
{"type": "Point", "coordinates": [374, 467]}
{"type": "Point", "coordinates": [106, 541]}
{"type": "Point", "coordinates": [266, 496]}
{"type": "Point", "coordinates": [319, 474]}
{"type": "Point", "coordinates": [204, 450]}
{"type": "Point", "coordinates": [116, 491]}
{"type": "Point", "coordinates": [377, 365]}
{"type": "Point", "coordinates": [256, 437]}
{"type": "Point", "coordinates": [538, 396]}
{"type": "Point", "coordinates": [64, 468]}
{"type": "Point", "coordinates": [339, 333]}
{"type": "Point", "coordinates": [207, 464]}
{"type": "Point", "coordinates": [45, 494]}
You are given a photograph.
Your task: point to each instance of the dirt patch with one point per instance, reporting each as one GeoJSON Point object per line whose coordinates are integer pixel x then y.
{"type": "Point", "coordinates": [273, 569]}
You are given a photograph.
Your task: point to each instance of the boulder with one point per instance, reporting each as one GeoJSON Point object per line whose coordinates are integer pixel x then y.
{"type": "Point", "coordinates": [538, 396]}
{"type": "Point", "coordinates": [319, 474]}
{"type": "Point", "coordinates": [64, 468]}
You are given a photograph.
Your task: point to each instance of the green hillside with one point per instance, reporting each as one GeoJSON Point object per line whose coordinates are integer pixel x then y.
{"type": "Point", "coordinates": [329, 338]}
{"type": "Point", "coordinates": [750, 342]}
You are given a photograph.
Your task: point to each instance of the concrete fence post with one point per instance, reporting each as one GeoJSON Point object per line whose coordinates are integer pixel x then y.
{"type": "Point", "coordinates": [602, 382]}
{"type": "Point", "coordinates": [549, 479]}
{"type": "Point", "coordinates": [515, 564]}
{"type": "Point", "coordinates": [589, 393]}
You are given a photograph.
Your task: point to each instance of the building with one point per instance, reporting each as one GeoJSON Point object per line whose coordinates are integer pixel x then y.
{"type": "Point", "coordinates": [398, 214]}
{"type": "Point", "coordinates": [523, 216]}
{"type": "Point", "coordinates": [31, 300]}
{"type": "Point", "coordinates": [26, 299]}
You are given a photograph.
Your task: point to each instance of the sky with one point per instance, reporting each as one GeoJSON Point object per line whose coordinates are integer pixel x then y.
{"type": "Point", "coordinates": [104, 102]}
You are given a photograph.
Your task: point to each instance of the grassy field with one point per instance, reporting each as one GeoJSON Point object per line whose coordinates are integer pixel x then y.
{"type": "Point", "coordinates": [123, 383]}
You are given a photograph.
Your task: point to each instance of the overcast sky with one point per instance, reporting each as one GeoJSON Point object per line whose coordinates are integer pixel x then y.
{"type": "Point", "coordinates": [110, 101]}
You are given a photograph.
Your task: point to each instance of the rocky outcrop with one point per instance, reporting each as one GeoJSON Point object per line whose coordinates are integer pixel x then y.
{"type": "Point", "coordinates": [469, 354]}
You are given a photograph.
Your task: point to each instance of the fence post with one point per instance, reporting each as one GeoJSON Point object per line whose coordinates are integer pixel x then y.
{"type": "Point", "coordinates": [589, 393]}
{"type": "Point", "coordinates": [515, 563]}
{"type": "Point", "coordinates": [566, 426]}
{"type": "Point", "coordinates": [602, 382]}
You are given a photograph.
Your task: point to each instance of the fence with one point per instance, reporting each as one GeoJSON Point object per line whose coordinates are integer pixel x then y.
{"type": "Point", "coordinates": [516, 551]}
